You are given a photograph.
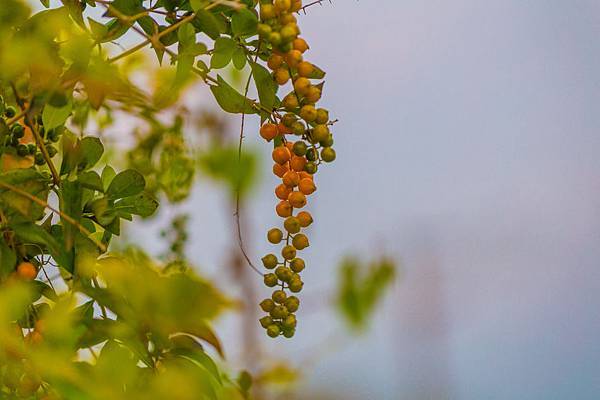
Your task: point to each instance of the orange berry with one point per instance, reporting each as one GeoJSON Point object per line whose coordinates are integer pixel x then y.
{"type": "Point", "coordinates": [275, 61]}
{"type": "Point", "coordinates": [291, 179]}
{"type": "Point", "coordinates": [305, 69]}
{"type": "Point", "coordinates": [283, 130]}
{"type": "Point", "coordinates": [296, 5]}
{"type": "Point", "coordinates": [283, 192]}
{"type": "Point", "coordinates": [297, 199]}
{"type": "Point", "coordinates": [269, 131]}
{"type": "Point", "coordinates": [281, 154]}
{"type": "Point", "coordinates": [302, 85]}
{"type": "Point", "coordinates": [300, 45]}
{"type": "Point", "coordinates": [307, 186]}
{"type": "Point", "coordinates": [305, 175]}
{"type": "Point", "coordinates": [305, 218]}
{"type": "Point", "coordinates": [297, 163]}
{"type": "Point", "coordinates": [280, 170]}
{"type": "Point", "coordinates": [26, 271]}
{"type": "Point", "coordinates": [293, 58]}
{"type": "Point", "coordinates": [34, 338]}
{"type": "Point", "coordinates": [290, 146]}
{"type": "Point", "coordinates": [282, 75]}
{"type": "Point", "coordinates": [284, 209]}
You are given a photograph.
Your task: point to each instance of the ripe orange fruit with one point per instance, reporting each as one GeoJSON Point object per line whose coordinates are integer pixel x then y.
{"type": "Point", "coordinates": [291, 179]}
{"type": "Point", "coordinates": [307, 186]}
{"type": "Point", "coordinates": [293, 58]}
{"type": "Point", "coordinates": [300, 45]}
{"type": "Point", "coordinates": [284, 209]}
{"type": "Point", "coordinates": [305, 69]}
{"type": "Point", "coordinates": [290, 146]}
{"type": "Point", "coordinates": [305, 218]}
{"type": "Point", "coordinates": [280, 170]}
{"type": "Point", "coordinates": [282, 192]}
{"type": "Point", "coordinates": [26, 271]}
{"type": "Point", "coordinates": [281, 155]}
{"type": "Point", "coordinates": [283, 130]}
{"type": "Point", "coordinates": [282, 75]}
{"type": "Point", "coordinates": [297, 163]}
{"type": "Point", "coordinates": [305, 175]}
{"type": "Point", "coordinates": [297, 199]}
{"type": "Point", "coordinates": [296, 5]}
{"type": "Point", "coordinates": [300, 241]}
{"type": "Point", "coordinates": [34, 338]}
{"type": "Point", "coordinates": [275, 61]}
{"type": "Point", "coordinates": [313, 94]}
{"type": "Point", "coordinates": [302, 85]}
{"type": "Point", "coordinates": [269, 131]}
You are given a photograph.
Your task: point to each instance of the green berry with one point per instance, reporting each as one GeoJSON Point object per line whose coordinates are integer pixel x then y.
{"type": "Point", "coordinates": [288, 120]}
{"type": "Point", "coordinates": [290, 322]}
{"type": "Point", "coordinates": [279, 312]}
{"type": "Point", "coordinates": [322, 116]}
{"type": "Point", "coordinates": [279, 296]}
{"type": "Point", "coordinates": [39, 159]}
{"type": "Point", "coordinates": [300, 148]}
{"type": "Point", "coordinates": [320, 133]}
{"type": "Point", "coordinates": [292, 225]}
{"type": "Point", "coordinates": [31, 148]}
{"type": "Point", "coordinates": [288, 252]}
{"type": "Point", "coordinates": [273, 331]}
{"type": "Point", "coordinates": [275, 38]}
{"type": "Point", "coordinates": [327, 142]}
{"type": "Point", "coordinates": [289, 333]}
{"type": "Point", "coordinates": [295, 285]}
{"type": "Point", "coordinates": [264, 30]}
{"type": "Point", "coordinates": [298, 128]}
{"type": "Point", "coordinates": [18, 130]}
{"type": "Point", "coordinates": [308, 113]}
{"type": "Point", "coordinates": [22, 150]}
{"type": "Point", "coordinates": [269, 261]}
{"type": "Point", "coordinates": [51, 151]}
{"type": "Point", "coordinates": [275, 236]}
{"type": "Point", "coordinates": [10, 111]}
{"type": "Point", "coordinates": [300, 241]}
{"type": "Point", "coordinates": [328, 154]}
{"type": "Point", "coordinates": [292, 304]}
{"type": "Point", "coordinates": [297, 265]}
{"type": "Point", "coordinates": [312, 154]}
{"type": "Point", "coordinates": [311, 167]}
{"type": "Point", "coordinates": [267, 305]}
{"type": "Point", "coordinates": [266, 321]}
{"type": "Point", "coordinates": [270, 280]}
{"type": "Point", "coordinates": [284, 274]}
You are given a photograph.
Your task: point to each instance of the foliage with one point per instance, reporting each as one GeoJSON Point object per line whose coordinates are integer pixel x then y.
{"type": "Point", "coordinates": [82, 315]}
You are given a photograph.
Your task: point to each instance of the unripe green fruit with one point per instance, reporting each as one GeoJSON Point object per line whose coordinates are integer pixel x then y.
{"type": "Point", "coordinates": [270, 280]}
{"type": "Point", "coordinates": [289, 322]}
{"type": "Point", "coordinates": [292, 225]}
{"type": "Point", "coordinates": [18, 130]}
{"type": "Point", "coordinates": [279, 312]}
{"type": "Point", "coordinates": [288, 33]}
{"type": "Point", "coordinates": [275, 236]}
{"type": "Point", "coordinates": [54, 135]}
{"type": "Point", "coordinates": [290, 102]}
{"type": "Point", "coordinates": [269, 261]}
{"type": "Point", "coordinates": [22, 150]}
{"type": "Point", "coordinates": [39, 159]}
{"type": "Point", "coordinates": [288, 119]}
{"type": "Point", "coordinates": [320, 132]}
{"type": "Point", "coordinates": [308, 113]}
{"type": "Point", "coordinates": [300, 241]}
{"type": "Point", "coordinates": [327, 142]}
{"type": "Point", "coordinates": [322, 116]}
{"type": "Point", "coordinates": [264, 30]}
{"type": "Point", "coordinates": [279, 296]}
{"type": "Point", "coordinates": [311, 167]}
{"type": "Point", "coordinates": [328, 154]}
{"type": "Point", "coordinates": [31, 148]}
{"type": "Point", "coordinates": [284, 274]}
{"type": "Point", "coordinates": [300, 148]}
{"type": "Point", "coordinates": [275, 38]}
{"type": "Point", "coordinates": [298, 128]}
{"type": "Point", "coordinates": [312, 154]}
{"type": "Point", "coordinates": [14, 141]}
{"type": "Point", "coordinates": [292, 304]}
{"type": "Point", "coordinates": [266, 321]}
{"type": "Point", "coordinates": [51, 151]}
{"type": "Point", "coordinates": [288, 252]}
{"type": "Point", "coordinates": [273, 331]}
{"type": "Point", "coordinates": [267, 11]}
{"type": "Point", "coordinates": [10, 111]}
{"type": "Point", "coordinates": [286, 47]}
{"type": "Point", "coordinates": [267, 305]}
{"type": "Point", "coordinates": [295, 285]}
{"type": "Point", "coordinates": [289, 333]}
{"type": "Point", "coordinates": [297, 265]}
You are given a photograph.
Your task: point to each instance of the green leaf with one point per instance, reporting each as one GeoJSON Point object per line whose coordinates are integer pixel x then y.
{"type": "Point", "coordinates": [244, 22]}
{"type": "Point", "coordinates": [224, 164]}
{"type": "Point", "coordinates": [108, 174]}
{"type": "Point", "coordinates": [29, 181]}
{"type": "Point", "coordinates": [317, 73]}
{"type": "Point", "coordinates": [267, 88]}
{"type": "Point", "coordinates": [54, 116]}
{"type": "Point", "coordinates": [230, 99]}
{"type": "Point", "coordinates": [99, 31]}
{"type": "Point", "coordinates": [141, 204]}
{"type": "Point", "coordinates": [91, 151]}
{"type": "Point", "coordinates": [126, 183]}
{"type": "Point", "coordinates": [224, 48]}
{"type": "Point", "coordinates": [206, 22]}
{"type": "Point", "coordinates": [32, 233]}
{"type": "Point", "coordinates": [91, 180]}
{"type": "Point", "coordinates": [239, 58]}
{"type": "Point", "coordinates": [8, 260]}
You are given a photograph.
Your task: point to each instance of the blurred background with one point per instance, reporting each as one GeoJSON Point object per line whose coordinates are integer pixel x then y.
{"type": "Point", "coordinates": [468, 150]}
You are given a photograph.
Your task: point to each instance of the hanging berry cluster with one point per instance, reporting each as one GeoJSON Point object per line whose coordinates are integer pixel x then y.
{"type": "Point", "coordinates": [296, 160]}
